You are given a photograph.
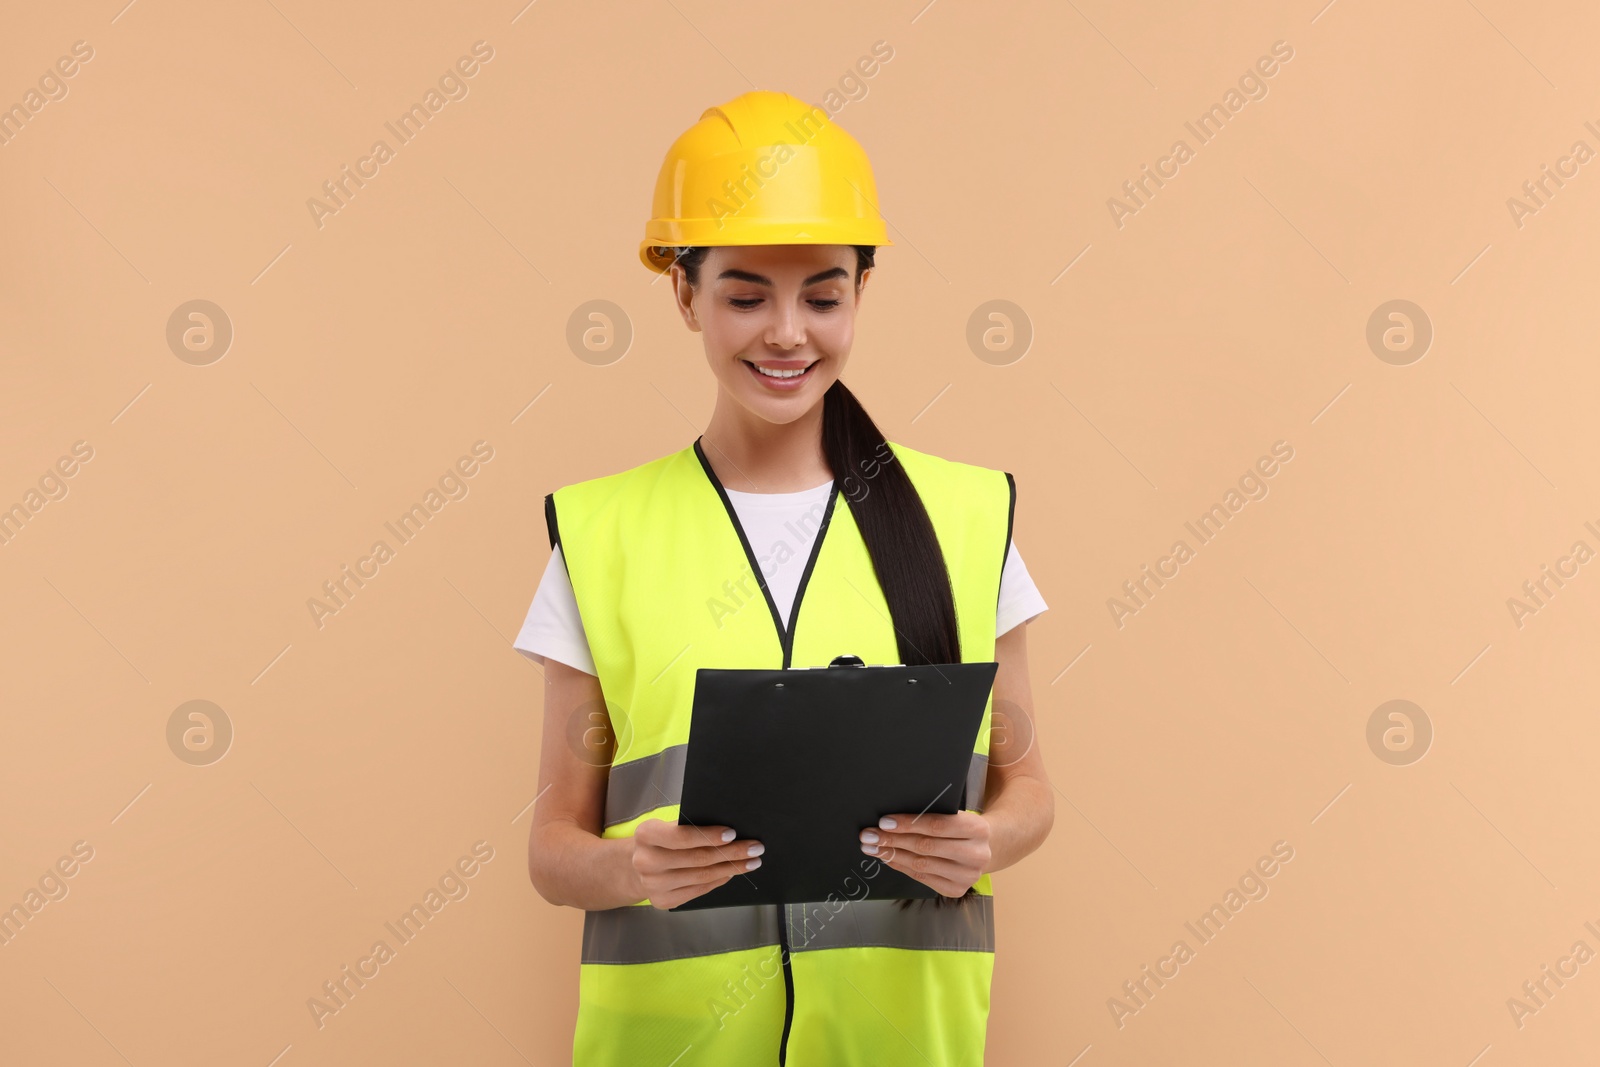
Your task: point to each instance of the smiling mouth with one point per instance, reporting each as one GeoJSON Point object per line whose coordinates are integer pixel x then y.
{"type": "Point", "coordinates": [785, 375]}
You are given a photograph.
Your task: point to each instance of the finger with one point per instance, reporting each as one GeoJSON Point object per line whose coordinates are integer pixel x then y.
{"type": "Point", "coordinates": [961, 824]}
{"type": "Point", "coordinates": [949, 878]}
{"type": "Point", "coordinates": [666, 899]}
{"type": "Point", "coordinates": [917, 865]}
{"type": "Point", "coordinates": [661, 833]}
{"type": "Point", "coordinates": [674, 859]}
{"type": "Point", "coordinates": [673, 835]}
{"type": "Point", "coordinates": [875, 842]}
{"type": "Point", "coordinates": [681, 877]}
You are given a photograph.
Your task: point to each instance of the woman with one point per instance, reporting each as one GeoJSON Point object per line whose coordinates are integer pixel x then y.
{"type": "Point", "coordinates": [738, 551]}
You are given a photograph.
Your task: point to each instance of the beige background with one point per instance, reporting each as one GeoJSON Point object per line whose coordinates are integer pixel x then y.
{"type": "Point", "coordinates": [431, 311]}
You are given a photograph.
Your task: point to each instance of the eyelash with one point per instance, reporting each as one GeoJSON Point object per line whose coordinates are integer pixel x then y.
{"type": "Point", "coordinates": [745, 304]}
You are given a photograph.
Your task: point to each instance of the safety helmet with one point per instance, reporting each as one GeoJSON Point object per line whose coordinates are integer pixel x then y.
{"type": "Point", "coordinates": [762, 169]}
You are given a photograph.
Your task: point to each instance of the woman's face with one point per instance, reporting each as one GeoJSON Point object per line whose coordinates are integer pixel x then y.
{"type": "Point", "coordinates": [785, 308]}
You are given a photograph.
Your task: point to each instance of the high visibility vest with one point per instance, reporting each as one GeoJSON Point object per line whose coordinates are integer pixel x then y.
{"type": "Point", "coordinates": [666, 582]}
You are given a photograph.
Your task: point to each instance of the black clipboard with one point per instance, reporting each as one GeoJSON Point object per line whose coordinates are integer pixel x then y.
{"type": "Point", "coordinates": [804, 759]}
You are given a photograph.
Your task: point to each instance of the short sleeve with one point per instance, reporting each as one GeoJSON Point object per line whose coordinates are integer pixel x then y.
{"type": "Point", "coordinates": [553, 628]}
{"type": "Point", "coordinates": [1020, 599]}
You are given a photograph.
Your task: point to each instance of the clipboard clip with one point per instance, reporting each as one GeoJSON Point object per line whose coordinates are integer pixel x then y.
{"type": "Point", "coordinates": [847, 661]}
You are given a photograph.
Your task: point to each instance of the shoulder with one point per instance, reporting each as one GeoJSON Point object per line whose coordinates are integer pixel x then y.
{"type": "Point", "coordinates": [613, 496]}
{"type": "Point", "coordinates": [953, 473]}
{"type": "Point", "coordinates": [644, 474]}
{"type": "Point", "coordinates": [958, 495]}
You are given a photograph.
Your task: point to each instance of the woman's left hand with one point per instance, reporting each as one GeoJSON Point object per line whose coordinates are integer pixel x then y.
{"type": "Point", "coordinates": [947, 852]}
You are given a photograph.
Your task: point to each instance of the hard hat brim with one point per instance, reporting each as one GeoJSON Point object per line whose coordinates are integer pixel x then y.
{"type": "Point", "coordinates": [657, 252]}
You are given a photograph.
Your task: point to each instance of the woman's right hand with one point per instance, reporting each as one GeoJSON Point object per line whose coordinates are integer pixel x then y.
{"type": "Point", "coordinates": [678, 863]}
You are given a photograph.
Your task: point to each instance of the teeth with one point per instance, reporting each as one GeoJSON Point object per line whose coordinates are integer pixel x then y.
{"type": "Point", "coordinates": [780, 373]}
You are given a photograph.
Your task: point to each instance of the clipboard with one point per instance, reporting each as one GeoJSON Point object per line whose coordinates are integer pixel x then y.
{"type": "Point", "coordinates": [804, 759]}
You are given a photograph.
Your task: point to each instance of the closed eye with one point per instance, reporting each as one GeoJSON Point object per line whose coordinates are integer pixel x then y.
{"type": "Point", "coordinates": [746, 303]}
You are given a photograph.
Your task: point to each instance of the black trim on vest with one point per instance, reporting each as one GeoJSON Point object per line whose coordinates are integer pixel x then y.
{"type": "Point", "coordinates": [1011, 515]}
{"type": "Point", "coordinates": [805, 575]}
{"type": "Point", "coordinates": [555, 531]}
{"type": "Point", "coordinates": [785, 633]}
{"type": "Point", "coordinates": [788, 987]}
{"type": "Point", "coordinates": [550, 520]}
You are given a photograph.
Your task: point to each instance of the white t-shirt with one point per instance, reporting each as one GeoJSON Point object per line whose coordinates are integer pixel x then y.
{"type": "Point", "coordinates": [781, 529]}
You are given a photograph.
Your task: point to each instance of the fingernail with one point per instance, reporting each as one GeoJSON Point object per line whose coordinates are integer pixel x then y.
{"type": "Point", "coordinates": [756, 850]}
{"type": "Point", "coordinates": [752, 865]}
{"type": "Point", "coordinates": [869, 837]}
{"type": "Point", "coordinates": [728, 835]}
{"type": "Point", "coordinates": [871, 850]}
{"type": "Point", "coordinates": [886, 823]}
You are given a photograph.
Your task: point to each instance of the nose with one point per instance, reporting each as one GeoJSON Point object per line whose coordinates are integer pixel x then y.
{"type": "Point", "coordinates": [787, 331]}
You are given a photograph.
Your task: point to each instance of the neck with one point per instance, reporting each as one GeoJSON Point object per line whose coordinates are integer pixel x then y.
{"type": "Point", "coordinates": [751, 455]}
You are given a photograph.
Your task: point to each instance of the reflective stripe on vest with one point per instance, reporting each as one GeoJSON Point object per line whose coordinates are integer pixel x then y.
{"type": "Point", "coordinates": [643, 785]}
{"type": "Point", "coordinates": [645, 934]}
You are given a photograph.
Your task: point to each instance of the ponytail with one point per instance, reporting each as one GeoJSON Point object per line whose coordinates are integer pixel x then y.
{"type": "Point", "coordinates": [898, 533]}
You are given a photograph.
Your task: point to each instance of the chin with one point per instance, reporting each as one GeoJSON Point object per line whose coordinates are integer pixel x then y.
{"type": "Point", "coordinates": [782, 410]}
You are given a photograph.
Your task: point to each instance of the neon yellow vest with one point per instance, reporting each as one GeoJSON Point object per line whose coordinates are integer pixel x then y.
{"type": "Point", "coordinates": [666, 583]}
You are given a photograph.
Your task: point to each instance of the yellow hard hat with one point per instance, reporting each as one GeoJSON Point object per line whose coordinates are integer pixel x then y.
{"type": "Point", "coordinates": [762, 169]}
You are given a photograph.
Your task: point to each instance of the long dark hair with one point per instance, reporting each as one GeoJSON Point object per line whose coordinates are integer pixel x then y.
{"type": "Point", "coordinates": [893, 521]}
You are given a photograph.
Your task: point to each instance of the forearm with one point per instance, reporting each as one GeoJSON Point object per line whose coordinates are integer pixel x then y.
{"type": "Point", "coordinates": [572, 867]}
{"type": "Point", "coordinates": [1019, 820]}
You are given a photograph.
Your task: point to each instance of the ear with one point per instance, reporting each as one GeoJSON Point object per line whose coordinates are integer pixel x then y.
{"type": "Point", "coordinates": [684, 295]}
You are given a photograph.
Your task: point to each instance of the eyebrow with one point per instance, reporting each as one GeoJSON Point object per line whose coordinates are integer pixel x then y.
{"type": "Point", "coordinates": [759, 279]}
